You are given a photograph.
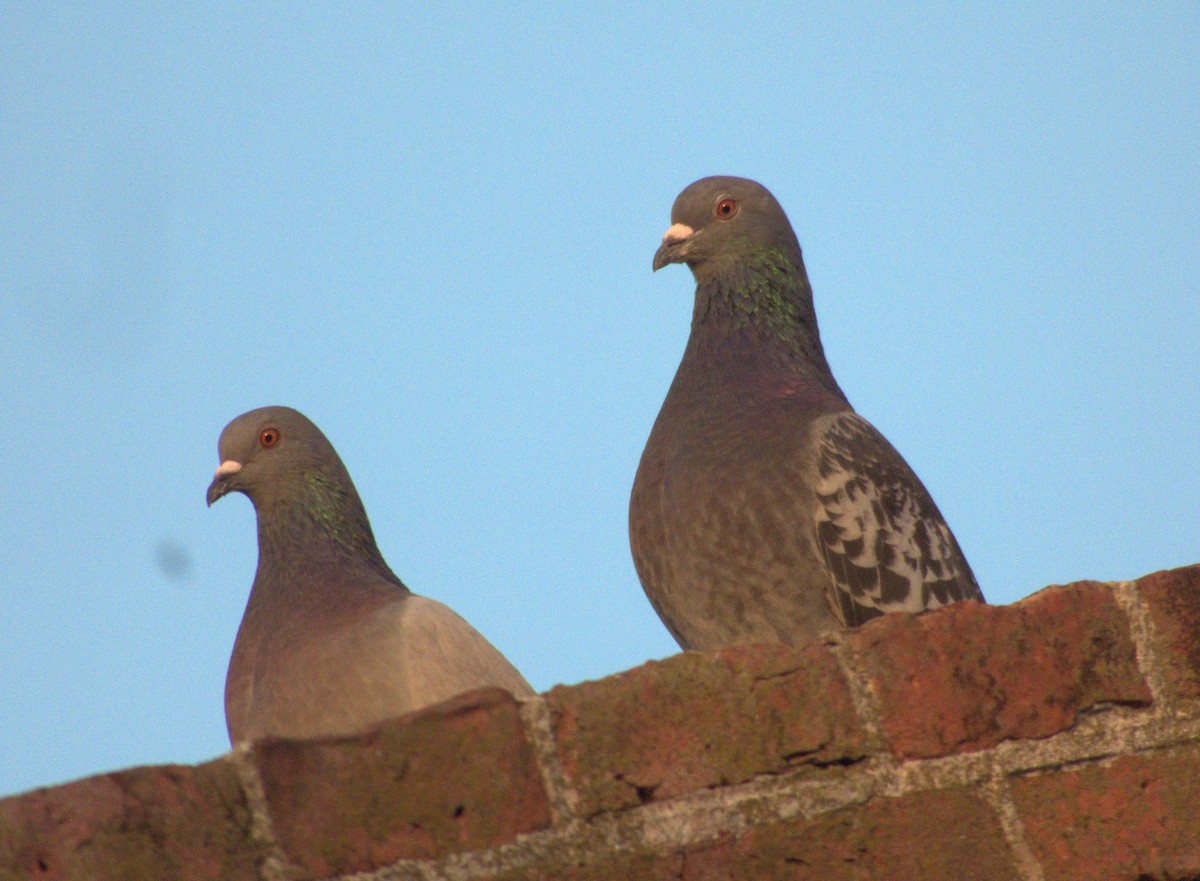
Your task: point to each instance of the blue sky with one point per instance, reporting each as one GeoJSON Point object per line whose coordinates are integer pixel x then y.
{"type": "Point", "coordinates": [431, 230]}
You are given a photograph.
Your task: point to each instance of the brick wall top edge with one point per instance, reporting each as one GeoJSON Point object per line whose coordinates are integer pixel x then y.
{"type": "Point", "coordinates": [468, 775]}
{"type": "Point", "coordinates": [969, 676]}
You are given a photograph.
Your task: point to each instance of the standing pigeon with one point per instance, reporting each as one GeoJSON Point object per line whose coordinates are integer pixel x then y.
{"type": "Point", "coordinates": [331, 640]}
{"type": "Point", "coordinates": [764, 508]}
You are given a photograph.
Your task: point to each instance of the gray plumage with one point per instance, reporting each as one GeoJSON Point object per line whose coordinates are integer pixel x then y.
{"type": "Point", "coordinates": [764, 508]}
{"type": "Point", "coordinates": [331, 640]}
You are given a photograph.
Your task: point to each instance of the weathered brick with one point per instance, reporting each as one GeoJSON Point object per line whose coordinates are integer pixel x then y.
{"type": "Point", "coordinates": [927, 835]}
{"type": "Point", "coordinates": [1134, 817]}
{"type": "Point", "coordinates": [700, 720]}
{"type": "Point", "coordinates": [457, 776]}
{"type": "Point", "coordinates": [166, 822]}
{"type": "Point", "coordinates": [601, 864]}
{"type": "Point", "coordinates": [1173, 597]}
{"type": "Point", "coordinates": [968, 676]}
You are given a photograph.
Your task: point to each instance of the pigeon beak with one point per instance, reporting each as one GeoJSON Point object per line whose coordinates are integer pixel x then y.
{"type": "Point", "coordinates": [221, 485]}
{"type": "Point", "coordinates": [674, 247]}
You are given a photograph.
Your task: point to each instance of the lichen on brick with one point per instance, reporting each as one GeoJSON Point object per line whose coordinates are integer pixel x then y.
{"type": "Point", "coordinates": [457, 776]}
{"type": "Point", "coordinates": [700, 720]}
{"type": "Point", "coordinates": [968, 676]}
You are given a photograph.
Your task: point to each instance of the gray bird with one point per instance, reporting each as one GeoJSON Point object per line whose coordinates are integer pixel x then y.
{"type": "Point", "coordinates": [764, 508]}
{"type": "Point", "coordinates": [331, 640]}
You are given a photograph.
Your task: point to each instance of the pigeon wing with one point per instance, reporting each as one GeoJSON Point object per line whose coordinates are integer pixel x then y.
{"type": "Point", "coordinates": [885, 544]}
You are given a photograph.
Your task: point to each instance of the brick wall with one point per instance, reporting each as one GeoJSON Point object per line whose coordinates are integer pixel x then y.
{"type": "Point", "coordinates": [1057, 738]}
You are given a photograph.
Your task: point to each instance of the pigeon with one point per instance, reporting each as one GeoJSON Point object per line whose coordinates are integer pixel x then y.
{"type": "Point", "coordinates": [764, 508]}
{"type": "Point", "coordinates": [331, 641]}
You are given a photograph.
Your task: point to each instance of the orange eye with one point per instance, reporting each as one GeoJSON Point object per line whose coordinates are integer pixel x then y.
{"type": "Point", "coordinates": [726, 208]}
{"type": "Point", "coordinates": [268, 437]}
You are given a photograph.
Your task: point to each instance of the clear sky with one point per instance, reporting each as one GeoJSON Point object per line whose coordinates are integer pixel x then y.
{"type": "Point", "coordinates": [431, 230]}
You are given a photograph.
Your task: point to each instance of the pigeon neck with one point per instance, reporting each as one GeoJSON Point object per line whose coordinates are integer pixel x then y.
{"type": "Point", "coordinates": [323, 525]}
{"type": "Point", "coordinates": [762, 305]}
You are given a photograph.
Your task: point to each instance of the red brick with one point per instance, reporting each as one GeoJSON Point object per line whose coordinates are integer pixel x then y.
{"type": "Point", "coordinates": [927, 835]}
{"type": "Point", "coordinates": [601, 864]}
{"type": "Point", "coordinates": [458, 776]}
{"type": "Point", "coordinates": [167, 822]}
{"type": "Point", "coordinates": [701, 720]}
{"type": "Point", "coordinates": [1135, 817]}
{"type": "Point", "coordinates": [1173, 597]}
{"type": "Point", "coordinates": [968, 676]}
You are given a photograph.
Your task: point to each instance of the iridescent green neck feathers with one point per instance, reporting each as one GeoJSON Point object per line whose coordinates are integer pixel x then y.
{"type": "Point", "coordinates": [765, 293]}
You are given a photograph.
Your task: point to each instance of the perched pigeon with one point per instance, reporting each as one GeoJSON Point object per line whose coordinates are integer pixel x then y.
{"type": "Point", "coordinates": [764, 508]}
{"type": "Point", "coordinates": [331, 640]}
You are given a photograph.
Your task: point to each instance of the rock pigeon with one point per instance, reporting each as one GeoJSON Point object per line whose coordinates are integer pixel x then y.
{"type": "Point", "coordinates": [331, 640]}
{"type": "Point", "coordinates": [764, 508]}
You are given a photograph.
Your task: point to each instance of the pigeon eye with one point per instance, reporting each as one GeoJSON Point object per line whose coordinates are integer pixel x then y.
{"type": "Point", "coordinates": [268, 437]}
{"type": "Point", "coordinates": [726, 208]}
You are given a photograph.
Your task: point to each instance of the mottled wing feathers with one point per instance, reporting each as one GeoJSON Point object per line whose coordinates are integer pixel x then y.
{"type": "Point", "coordinates": [883, 539]}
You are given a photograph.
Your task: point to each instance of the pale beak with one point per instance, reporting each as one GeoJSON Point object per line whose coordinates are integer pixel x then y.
{"type": "Point", "coordinates": [674, 245]}
{"type": "Point", "coordinates": [220, 484]}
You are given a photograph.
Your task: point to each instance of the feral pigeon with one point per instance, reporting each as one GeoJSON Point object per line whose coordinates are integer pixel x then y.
{"type": "Point", "coordinates": [764, 508]}
{"type": "Point", "coordinates": [331, 640]}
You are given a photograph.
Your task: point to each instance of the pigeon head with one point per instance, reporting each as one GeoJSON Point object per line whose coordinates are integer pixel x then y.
{"type": "Point", "coordinates": [271, 454]}
{"type": "Point", "coordinates": [724, 221]}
